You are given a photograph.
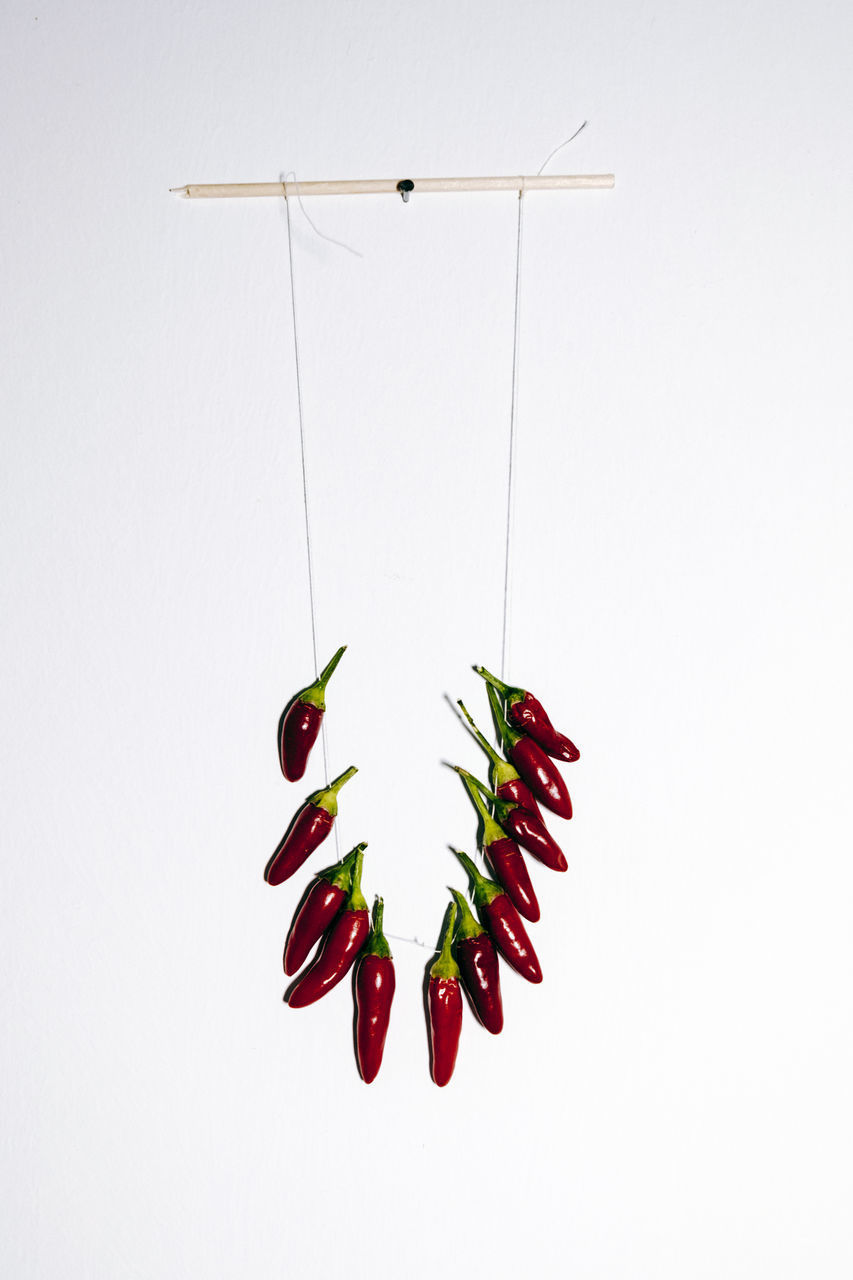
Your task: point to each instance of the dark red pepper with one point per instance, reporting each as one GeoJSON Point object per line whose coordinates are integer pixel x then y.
{"type": "Point", "coordinates": [528, 714]}
{"type": "Point", "coordinates": [478, 965]}
{"type": "Point", "coordinates": [340, 948]}
{"type": "Point", "coordinates": [444, 1000]}
{"type": "Point", "coordinates": [523, 826]}
{"type": "Point", "coordinates": [308, 829]}
{"type": "Point", "coordinates": [503, 923]}
{"type": "Point", "coordinates": [543, 777]}
{"type": "Point", "coordinates": [506, 858]}
{"type": "Point", "coordinates": [503, 776]}
{"type": "Point", "coordinates": [317, 912]}
{"type": "Point", "coordinates": [300, 723]}
{"type": "Point", "coordinates": [374, 990]}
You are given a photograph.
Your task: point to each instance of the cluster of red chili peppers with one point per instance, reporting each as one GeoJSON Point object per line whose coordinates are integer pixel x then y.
{"type": "Point", "coordinates": [334, 911]}
{"type": "Point", "coordinates": [528, 776]}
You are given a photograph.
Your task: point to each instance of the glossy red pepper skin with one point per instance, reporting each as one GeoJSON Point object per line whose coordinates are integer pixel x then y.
{"type": "Point", "coordinates": [511, 872]}
{"type": "Point", "coordinates": [299, 730]}
{"type": "Point", "coordinates": [325, 899]}
{"type": "Point", "coordinates": [375, 984]}
{"type": "Point", "coordinates": [529, 715]}
{"type": "Point", "coordinates": [504, 777]}
{"type": "Point", "coordinates": [478, 965]}
{"type": "Point", "coordinates": [444, 1005]}
{"type": "Point", "coordinates": [519, 793]}
{"type": "Point", "coordinates": [533, 836]}
{"type": "Point", "coordinates": [541, 776]}
{"type": "Point", "coordinates": [340, 948]}
{"type": "Point", "coordinates": [374, 992]}
{"type": "Point", "coordinates": [445, 1021]}
{"type": "Point", "coordinates": [510, 937]}
{"type": "Point", "coordinates": [307, 831]}
{"type": "Point", "coordinates": [503, 853]}
{"type": "Point", "coordinates": [503, 923]}
{"type": "Point", "coordinates": [339, 952]}
{"type": "Point", "coordinates": [301, 721]}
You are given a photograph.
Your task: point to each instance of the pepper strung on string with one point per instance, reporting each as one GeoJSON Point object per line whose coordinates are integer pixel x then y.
{"type": "Point", "coordinates": [300, 723]}
{"type": "Point", "coordinates": [522, 825]}
{"type": "Point", "coordinates": [505, 859]}
{"type": "Point", "coordinates": [503, 922]}
{"type": "Point", "coordinates": [541, 775]}
{"type": "Point", "coordinates": [504, 777]}
{"type": "Point", "coordinates": [340, 948]}
{"type": "Point", "coordinates": [324, 901]}
{"type": "Point", "coordinates": [528, 714]}
{"type": "Point", "coordinates": [478, 965]}
{"type": "Point", "coordinates": [308, 829]}
{"type": "Point", "coordinates": [444, 1001]}
{"type": "Point", "coordinates": [374, 991]}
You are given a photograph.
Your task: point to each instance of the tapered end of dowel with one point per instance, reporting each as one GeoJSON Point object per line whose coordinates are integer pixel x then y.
{"type": "Point", "coordinates": [179, 191]}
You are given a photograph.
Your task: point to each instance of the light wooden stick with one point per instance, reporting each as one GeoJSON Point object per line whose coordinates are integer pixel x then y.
{"type": "Point", "coordinates": [385, 186]}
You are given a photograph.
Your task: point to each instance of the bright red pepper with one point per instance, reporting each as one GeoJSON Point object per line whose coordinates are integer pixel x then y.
{"type": "Point", "coordinates": [527, 829]}
{"type": "Point", "coordinates": [444, 1000]}
{"type": "Point", "coordinates": [528, 714]}
{"type": "Point", "coordinates": [504, 778]}
{"type": "Point", "coordinates": [374, 990]}
{"type": "Point", "coordinates": [308, 829]}
{"type": "Point", "coordinates": [503, 923]}
{"type": "Point", "coordinates": [318, 910]}
{"type": "Point", "coordinates": [478, 965]}
{"type": "Point", "coordinates": [506, 858]}
{"type": "Point", "coordinates": [340, 948]}
{"type": "Point", "coordinates": [300, 723]}
{"type": "Point", "coordinates": [542, 776]}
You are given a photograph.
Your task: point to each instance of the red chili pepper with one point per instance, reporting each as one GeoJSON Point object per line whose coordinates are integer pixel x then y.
{"type": "Point", "coordinates": [340, 947]}
{"type": "Point", "coordinates": [528, 714]}
{"type": "Point", "coordinates": [506, 859]}
{"type": "Point", "coordinates": [308, 828]}
{"type": "Point", "coordinates": [503, 923]}
{"type": "Point", "coordinates": [504, 778]}
{"type": "Point", "coordinates": [445, 1007]}
{"type": "Point", "coordinates": [543, 777]}
{"type": "Point", "coordinates": [318, 910]}
{"type": "Point", "coordinates": [527, 829]}
{"type": "Point", "coordinates": [478, 964]}
{"type": "Point", "coordinates": [374, 991]}
{"type": "Point", "coordinates": [300, 723]}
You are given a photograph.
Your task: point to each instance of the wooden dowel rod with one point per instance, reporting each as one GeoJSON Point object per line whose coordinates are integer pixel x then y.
{"type": "Point", "coordinates": [385, 186]}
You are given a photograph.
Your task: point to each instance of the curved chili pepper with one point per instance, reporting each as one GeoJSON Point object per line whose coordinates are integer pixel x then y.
{"type": "Point", "coordinates": [528, 714]}
{"type": "Point", "coordinates": [543, 777]}
{"type": "Point", "coordinates": [504, 778]}
{"type": "Point", "coordinates": [506, 859]}
{"type": "Point", "coordinates": [503, 923]}
{"type": "Point", "coordinates": [374, 991]}
{"type": "Point", "coordinates": [308, 828]}
{"type": "Point", "coordinates": [317, 912]}
{"type": "Point", "coordinates": [527, 829]}
{"type": "Point", "coordinates": [340, 947]}
{"type": "Point", "coordinates": [300, 723]}
{"type": "Point", "coordinates": [478, 964]}
{"type": "Point", "coordinates": [445, 1007]}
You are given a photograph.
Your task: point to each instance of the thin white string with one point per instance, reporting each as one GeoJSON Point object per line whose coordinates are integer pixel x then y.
{"type": "Point", "coordinates": [562, 144]}
{"type": "Point", "coordinates": [510, 491]}
{"type": "Point", "coordinates": [323, 734]}
{"type": "Point", "coordinates": [331, 239]}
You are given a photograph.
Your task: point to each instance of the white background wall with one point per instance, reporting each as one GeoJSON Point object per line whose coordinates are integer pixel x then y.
{"type": "Point", "coordinates": [673, 1101]}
